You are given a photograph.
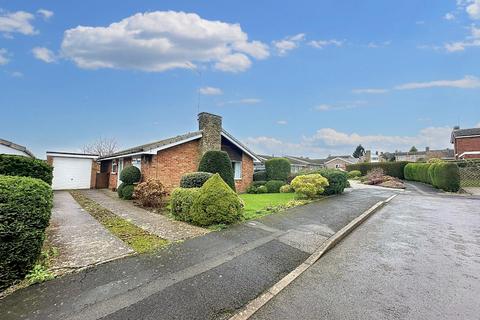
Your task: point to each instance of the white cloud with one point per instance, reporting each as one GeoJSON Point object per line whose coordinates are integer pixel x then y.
{"type": "Point", "coordinates": [282, 122]}
{"type": "Point", "coordinates": [320, 44]}
{"type": "Point", "coordinates": [375, 45]}
{"type": "Point", "coordinates": [370, 91]}
{"type": "Point", "coordinates": [44, 54]}
{"type": "Point", "coordinates": [3, 56]}
{"type": "Point", "coordinates": [210, 91]}
{"type": "Point", "coordinates": [449, 16]}
{"type": "Point", "coordinates": [323, 107]}
{"type": "Point", "coordinates": [473, 40]}
{"type": "Point", "coordinates": [241, 101]}
{"type": "Point", "coordinates": [473, 9]}
{"type": "Point", "coordinates": [17, 22]}
{"type": "Point", "coordinates": [162, 40]}
{"type": "Point", "coordinates": [468, 82]}
{"type": "Point", "coordinates": [289, 43]}
{"type": "Point", "coordinates": [46, 14]}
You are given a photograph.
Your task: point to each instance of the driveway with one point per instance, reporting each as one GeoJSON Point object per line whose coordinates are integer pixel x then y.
{"type": "Point", "coordinates": [417, 258]}
{"type": "Point", "coordinates": [80, 239]}
{"type": "Point", "coordinates": [207, 277]}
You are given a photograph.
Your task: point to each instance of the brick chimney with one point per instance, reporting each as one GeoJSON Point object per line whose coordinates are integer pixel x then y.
{"type": "Point", "coordinates": [211, 126]}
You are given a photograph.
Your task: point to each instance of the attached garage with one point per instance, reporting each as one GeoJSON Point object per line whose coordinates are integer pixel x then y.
{"type": "Point", "coordinates": [72, 170]}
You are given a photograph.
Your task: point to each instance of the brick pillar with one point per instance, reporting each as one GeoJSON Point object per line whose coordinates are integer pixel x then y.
{"type": "Point", "coordinates": [211, 126]}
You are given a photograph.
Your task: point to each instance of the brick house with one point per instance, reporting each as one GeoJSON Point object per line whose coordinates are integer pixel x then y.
{"type": "Point", "coordinates": [339, 162]}
{"type": "Point", "coordinates": [167, 160]}
{"type": "Point", "coordinates": [466, 143]}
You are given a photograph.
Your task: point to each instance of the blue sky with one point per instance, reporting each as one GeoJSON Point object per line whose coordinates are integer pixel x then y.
{"type": "Point", "coordinates": [306, 78]}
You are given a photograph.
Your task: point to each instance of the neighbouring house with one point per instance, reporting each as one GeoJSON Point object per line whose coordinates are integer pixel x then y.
{"type": "Point", "coordinates": [8, 147]}
{"type": "Point", "coordinates": [297, 164]}
{"type": "Point", "coordinates": [73, 170]}
{"type": "Point", "coordinates": [466, 143]}
{"type": "Point", "coordinates": [167, 160]}
{"type": "Point", "coordinates": [445, 154]}
{"type": "Point", "coordinates": [370, 157]}
{"type": "Point", "coordinates": [339, 162]}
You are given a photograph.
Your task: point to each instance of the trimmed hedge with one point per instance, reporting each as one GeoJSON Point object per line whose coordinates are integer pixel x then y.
{"type": "Point", "coordinates": [216, 203]}
{"type": "Point", "coordinates": [181, 202]}
{"type": "Point", "coordinates": [418, 172]}
{"type": "Point", "coordinates": [120, 189]}
{"type": "Point", "coordinates": [12, 165]}
{"type": "Point", "coordinates": [394, 169]}
{"type": "Point", "coordinates": [337, 180]}
{"type": "Point", "coordinates": [273, 186]}
{"type": "Point", "coordinates": [194, 179]}
{"type": "Point", "coordinates": [127, 192]}
{"type": "Point", "coordinates": [277, 169]}
{"type": "Point", "coordinates": [258, 183]}
{"type": "Point", "coordinates": [218, 162]}
{"type": "Point", "coordinates": [442, 175]}
{"type": "Point", "coordinates": [260, 176]}
{"type": "Point", "coordinates": [25, 207]}
{"type": "Point", "coordinates": [130, 175]}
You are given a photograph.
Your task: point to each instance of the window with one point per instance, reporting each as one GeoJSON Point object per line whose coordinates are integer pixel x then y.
{"type": "Point", "coordinates": [137, 162]}
{"type": "Point", "coordinates": [237, 170]}
{"type": "Point", "coordinates": [338, 166]}
{"type": "Point", "coordinates": [114, 166]}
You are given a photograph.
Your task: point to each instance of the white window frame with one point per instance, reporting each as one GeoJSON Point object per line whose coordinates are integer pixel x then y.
{"type": "Point", "coordinates": [234, 165]}
{"type": "Point", "coordinates": [137, 162]}
{"type": "Point", "coordinates": [114, 164]}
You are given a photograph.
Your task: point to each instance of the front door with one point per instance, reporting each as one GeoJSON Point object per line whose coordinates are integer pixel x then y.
{"type": "Point", "coordinates": [120, 168]}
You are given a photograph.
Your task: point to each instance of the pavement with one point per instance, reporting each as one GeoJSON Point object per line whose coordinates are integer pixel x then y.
{"type": "Point", "coordinates": [207, 277]}
{"type": "Point", "coordinates": [80, 239]}
{"type": "Point", "coordinates": [151, 222]}
{"type": "Point", "coordinates": [417, 258]}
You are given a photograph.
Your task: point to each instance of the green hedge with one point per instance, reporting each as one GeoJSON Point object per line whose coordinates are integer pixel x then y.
{"type": "Point", "coordinates": [181, 202]}
{"type": "Point", "coordinates": [120, 189]}
{"type": "Point", "coordinates": [25, 207]}
{"type": "Point", "coordinates": [260, 176]}
{"type": "Point", "coordinates": [394, 169]}
{"type": "Point", "coordinates": [218, 162]}
{"type": "Point", "coordinates": [130, 175]}
{"type": "Point", "coordinates": [277, 169]}
{"type": "Point", "coordinates": [273, 186]}
{"type": "Point", "coordinates": [442, 175]}
{"type": "Point", "coordinates": [127, 192]}
{"type": "Point", "coordinates": [337, 180]}
{"type": "Point", "coordinates": [194, 179]}
{"type": "Point", "coordinates": [418, 172]}
{"type": "Point", "coordinates": [11, 165]}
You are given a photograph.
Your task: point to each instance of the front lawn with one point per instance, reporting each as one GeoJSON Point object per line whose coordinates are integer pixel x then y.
{"type": "Point", "coordinates": [257, 205]}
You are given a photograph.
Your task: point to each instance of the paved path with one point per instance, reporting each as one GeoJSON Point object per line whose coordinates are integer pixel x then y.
{"type": "Point", "coordinates": [417, 258]}
{"type": "Point", "coordinates": [154, 223]}
{"type": "Point", "coordinates": [208, 277]}
{"type": "Point", "coordinates": [80, 239]}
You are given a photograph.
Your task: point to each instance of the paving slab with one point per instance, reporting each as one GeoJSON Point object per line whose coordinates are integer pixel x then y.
{"type": "Point", "coordinates": [80, 239]}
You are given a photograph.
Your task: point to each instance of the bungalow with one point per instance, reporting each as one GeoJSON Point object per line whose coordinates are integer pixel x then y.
{"type": "Point", "coordinates": [339, 162]}
{"type": "Point", "coordinates": [466, 143]}
{"type": "Point", "coordinates": [167, 160]}
{"type": "Point", "coordinates": [8, 147]}
{"type": "Point", "coordinates": [297, 164]}
{"type": "Point", "coordinates": [445, 154]}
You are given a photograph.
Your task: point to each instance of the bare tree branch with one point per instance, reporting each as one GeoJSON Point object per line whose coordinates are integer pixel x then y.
{"type": "Point", "coordinates": [103, 147]}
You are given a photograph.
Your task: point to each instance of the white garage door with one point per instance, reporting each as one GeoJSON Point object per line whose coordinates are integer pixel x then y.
{"type": "Point", "coordinates": [71, 173]}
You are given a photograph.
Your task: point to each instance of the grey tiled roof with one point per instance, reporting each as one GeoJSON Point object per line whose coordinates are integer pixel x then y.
{"type": "Point", "coordinates": [466, 132]}
{"type": "Point", "coordinates": [16, 147]}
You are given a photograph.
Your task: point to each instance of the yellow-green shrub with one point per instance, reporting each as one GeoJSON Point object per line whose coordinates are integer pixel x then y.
{"type": "Point", "coordinates": [309, 186]}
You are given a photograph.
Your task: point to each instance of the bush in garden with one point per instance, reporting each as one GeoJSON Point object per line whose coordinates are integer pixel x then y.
{"type": "Point", "coordinates": [273, 186]}
{"type": "Point", "coordinates": [216, 203]}
{"type": "Point", "coordinates": [150, 193]}
{"type": "Point", "coordinates": [286, 189]}
{"type": "Point", "coordinates": [218, 162]}
{"type": "Point", "coordinates": [258, 183]}
{"type": "Point", "coordinates": [354, 174]}
{"type": "Point", "coordinates": [194, 179]}
{"type": "Point", "coordinates": [446, 176]}
{"type": "Point", "coordinates": [12, 165]}
{"type": "Point", "coordinates": [252, 189]}
{"type": "Point", "coordinates": [25, 207]}
{"type": "Point", "coordinates": [337, 180]}
{"type": "Point", "coordinates": [277, 169]}
{"type": "Point", "coordinates": [262, 189]}
{"type": "Point", "coordinates": [130, 175]}
{"type": "Point", "coordinates": [127, 192]}
{"type": "Point", "coordinates": [309, 186]}
{"type": "Point", "coordinates": [434, 160]}
{"type": "Point", "coordinates": [181, 202]}
{"type": "Point", "coordinates": [120, 189]}
{"type": "Point", "coordinates": [260, 176]}
{"type": "Point", "coordinates": [393, 169]}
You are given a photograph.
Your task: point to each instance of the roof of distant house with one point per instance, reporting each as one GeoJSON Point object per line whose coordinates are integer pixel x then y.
{"type": "Point", "coordinates": [16, 147]}
{"type": "Point", "coordinates": [458, 133]}
{"type": "Point", "coordinates": [295, 160]}
{"type": "Point", "coordinates": [344, 158]}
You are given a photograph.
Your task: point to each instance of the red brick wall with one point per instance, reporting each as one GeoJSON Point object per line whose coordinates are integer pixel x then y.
{"type": "Point", "coordinates": [112, 180]}
{"type": "Point", "coordinates": [247, 174]}
{"type": "Point", "coordinates": [467, 144]}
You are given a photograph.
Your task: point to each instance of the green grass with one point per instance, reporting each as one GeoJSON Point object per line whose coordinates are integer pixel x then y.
{"type": "Point", "coordinates": [135, 237]}
{"type": "Point", "coordinates": [257, 205]}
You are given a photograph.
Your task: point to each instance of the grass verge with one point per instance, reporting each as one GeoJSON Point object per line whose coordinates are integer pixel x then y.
{"type": "Point", "coordinates": [258, 205]}
{"type": "Point", "coordinates": [138, 239]}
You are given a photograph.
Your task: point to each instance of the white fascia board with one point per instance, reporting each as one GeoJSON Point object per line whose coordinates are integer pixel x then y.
{"type": "Point", "coordinates": [63, 155]}
{"type": "Point", "coordinates": [254, 157]}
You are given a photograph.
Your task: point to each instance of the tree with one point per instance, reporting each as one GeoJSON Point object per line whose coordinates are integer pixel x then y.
{"type": "Point", "coordinates": [102, 147]}
{"type": "Point", "coordinates": [214, 161]}
{"type": "Point", "coordinates": [359, 152]}
{"type": "Point", "coordinates": [413, 149]}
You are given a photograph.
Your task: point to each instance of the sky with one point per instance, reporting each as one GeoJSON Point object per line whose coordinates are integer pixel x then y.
{"type": "Point", "coordinates": [304, 78]}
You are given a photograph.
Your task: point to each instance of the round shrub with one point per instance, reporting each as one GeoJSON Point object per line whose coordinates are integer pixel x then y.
{"type": "Point", "coordinates": [260, 176]}
{"type": "Point", "coordinates": [434, 160]}
{"type": "Point", "coordinates": [277, 169]}
{"type": "Point", "coordinates": [25, 207]}
{"type": "Point", "coordinates": [309, 186]}
{"type": "Point", "coordinates": [252, 189]}
{"type": "Point", "coordinates": [216, 203]}
{"type": "Point", "coordinates": [218, 162]}
{"type": "Point", "coordinates": [130, 175]}
{"type": "Point", "coordinates": [127, 192]}
{"type": "Point", "coordinates": [120, 189]}
{"type": "Point", "coordinates": [258, 183]}
{"type": "Point", "coordinates": [150, 193]}
{"type": "Point", "coordinates": [354, 174]}
{"type": "Point", "coordinates": [194, 179]}
{"type": "Point", "coordinates": [181, 202]}
{"type": "Point", "coordinates": [262, 189]}
{"type": "Point", "coordinates": [337, 181]}
{"type": "Point", "coordinates": [12, 165]}
{"type": "Point", "coordinates": [286, 189]}
{"type": "Point", "coordinates": [273, 186]}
